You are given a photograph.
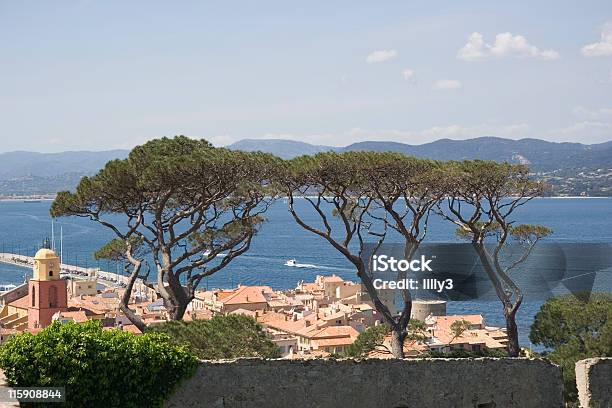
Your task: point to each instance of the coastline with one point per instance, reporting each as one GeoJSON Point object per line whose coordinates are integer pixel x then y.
{"type": "Point", "coordinates": [27, 198]}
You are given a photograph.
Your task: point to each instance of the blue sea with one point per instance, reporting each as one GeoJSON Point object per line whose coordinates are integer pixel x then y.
{"type": "Point", "coordinates": [23, 226]}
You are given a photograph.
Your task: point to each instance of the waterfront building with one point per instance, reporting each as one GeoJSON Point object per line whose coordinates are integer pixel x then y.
{"type": "Point", "coordinates": [79, 287]}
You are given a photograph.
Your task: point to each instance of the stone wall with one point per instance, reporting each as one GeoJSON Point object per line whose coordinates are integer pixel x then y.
{"type": "Point", "coordinates": [594, 382]}
{"type": "Point", "coordinates": [458, 383]}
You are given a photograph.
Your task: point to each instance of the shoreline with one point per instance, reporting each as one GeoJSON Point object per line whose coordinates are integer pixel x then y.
{"type": "Point", "coordinates": [9, 199]}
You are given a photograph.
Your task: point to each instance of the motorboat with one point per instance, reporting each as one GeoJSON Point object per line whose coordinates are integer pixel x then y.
{"type": "Point", "coordinates": [6, 288]}
{"type": "Point", "coordinates": [293, 263]}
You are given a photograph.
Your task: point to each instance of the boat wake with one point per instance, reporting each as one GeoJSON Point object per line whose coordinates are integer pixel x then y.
{"type": "Point", "coordinates": [294, 264]}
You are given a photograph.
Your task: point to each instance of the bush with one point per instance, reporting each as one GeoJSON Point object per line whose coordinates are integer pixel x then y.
{"type": "Point", "coordinates": [98, 368]}
{"type": "Point", "coordinates": [574, 330]}
{"type": "Point", "coordinates": [367, 341]}
{"type": "Point", "coordinates": [229, 336]}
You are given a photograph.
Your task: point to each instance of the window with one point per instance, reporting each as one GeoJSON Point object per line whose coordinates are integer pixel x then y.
{"type": "Point", "coordinates": [33, 296]}
{"type": "Point", "coordinates": [53, 296]}
{"type": "Point", "coordinates": [50, 273]}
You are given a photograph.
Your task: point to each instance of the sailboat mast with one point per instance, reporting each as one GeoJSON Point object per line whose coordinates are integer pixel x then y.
{"type": "Point", "coordinates": [61, 245]}
{"type": "Point", "coordinates": [52, 236]}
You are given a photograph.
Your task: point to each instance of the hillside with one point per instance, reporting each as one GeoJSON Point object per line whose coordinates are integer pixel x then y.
{"type": "Point", "coordinates": [285, 149]}
{"type": "Point", "coordinates": [539, 154]}
{"type": "Point", "coordinates": [22, 164]}
{"type": "Point", "coordinates": [571, 168]}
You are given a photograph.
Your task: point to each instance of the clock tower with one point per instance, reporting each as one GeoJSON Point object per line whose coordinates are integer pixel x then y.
{"type": "Point", "coordinates": [47, 293]}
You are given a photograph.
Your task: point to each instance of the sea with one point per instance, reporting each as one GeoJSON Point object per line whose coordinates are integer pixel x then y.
{"type": "Point", "coordinates": [24, 226]}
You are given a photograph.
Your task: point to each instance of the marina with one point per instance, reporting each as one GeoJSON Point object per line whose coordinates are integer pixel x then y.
{"type": "Point", "coordinates": [74, 272]}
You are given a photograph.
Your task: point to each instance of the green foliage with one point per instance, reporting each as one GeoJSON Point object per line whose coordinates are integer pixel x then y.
{"type": "Point", "coordinates": [115, 249]}
{"type": "Point", "coordinates": [98, 368]}
{"type": "Point", "coordinates": [529, 232]}
{"type": "Point", "coordinates": [178, 196]}
{"type": "Point", "coordinates": [229, 336]}
{"type": "Point", "coordinates": [374, 337]}
{"type": "Point", "coordinates": [575, 330]}
{"type": "Point", "coordinates": [565, 319]}
{"type": "Point", "coordinates": [416, 331]}
{"type": "Point", "coordinates": [522, 233]}
{"type": "Point", "coordinates": [367, 341]}
{"type": "Point", "coordinates": [458, 327]}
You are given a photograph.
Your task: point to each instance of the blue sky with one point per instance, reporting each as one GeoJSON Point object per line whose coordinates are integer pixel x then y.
{"type": "Point", "coordinates": [112, 74]}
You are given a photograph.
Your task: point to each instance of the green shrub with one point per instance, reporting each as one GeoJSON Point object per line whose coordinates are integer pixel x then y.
{"type": "Point", "coordinates": [367, 341]}
{"type": "Point", "coordinates": [229, 336]}
{"type": "Point", "coordinates": [572, 330]}
{"type": "Point", "coordinates": [98, 368]}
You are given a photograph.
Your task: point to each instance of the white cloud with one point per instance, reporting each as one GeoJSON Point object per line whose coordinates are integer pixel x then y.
{"type": "Point", "coordinates": [381, 56]}
{"type": "Point", "coordinates": [221, 140]}
{"type": "Point", "coordinates": [408, 74]}
{"type": "Point", "coordinates": [475, 49]}
{"type": "Point", "coordinates": [603, 47]}
{"type": "Point", "coordinates": [444, 84]}
{"type": "Point", "coordinates": [505, 45]}
{"type": "Point", "coordinates": [592, 113]}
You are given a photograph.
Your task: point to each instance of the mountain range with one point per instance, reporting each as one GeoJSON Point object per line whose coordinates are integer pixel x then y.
{"type": "Point", "coordinates": [541, 155]}
{"type": "Point", "coordinates": [572, 168]}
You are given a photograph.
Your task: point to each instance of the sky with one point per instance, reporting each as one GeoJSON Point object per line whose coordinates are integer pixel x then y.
{"type": "Point", "coordinates": [99, 75]}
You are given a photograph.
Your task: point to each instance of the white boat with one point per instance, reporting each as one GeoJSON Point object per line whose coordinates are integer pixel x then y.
{"type": "Point", "coordinates": [293, 263]}
{"type": "Point", "coordinates": [6, 288]}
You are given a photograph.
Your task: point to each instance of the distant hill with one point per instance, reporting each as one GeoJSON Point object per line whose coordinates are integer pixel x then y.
{"type": "Point", "coordinates": [22, 164]}
{"type": "Point", "coordinates": [285, 149]}
{"type": "Point", "coordinates": [29, 173]}
{"type": "Point", "coordinates": [571, 168]}
{"type": "Point", "coordinates": [539, 154]}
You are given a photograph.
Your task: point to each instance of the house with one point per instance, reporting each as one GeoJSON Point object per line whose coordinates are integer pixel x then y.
{"type": "Point", "coordinates": [226, 301]}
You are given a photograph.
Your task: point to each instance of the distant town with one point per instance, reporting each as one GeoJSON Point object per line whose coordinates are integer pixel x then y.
{"type": "Point", "coordinates": [315, 319]}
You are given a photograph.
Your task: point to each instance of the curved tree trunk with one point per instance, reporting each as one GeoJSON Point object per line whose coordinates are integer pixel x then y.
{"type": "Point", "coordinates": [133, 317]}
{"type": "Point", "coordinates": [127, 295]}
{"type": "Point", "coordinates": [512, 331]}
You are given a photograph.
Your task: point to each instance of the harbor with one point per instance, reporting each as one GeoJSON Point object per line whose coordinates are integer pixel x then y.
{"type": "Point", "coordinates": [76, 273]}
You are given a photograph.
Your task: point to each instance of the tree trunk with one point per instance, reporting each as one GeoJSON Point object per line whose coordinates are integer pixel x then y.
{"type": "Point", "coordinates": [397, 343]}
{"type": "Point", "coordinates": [512, 331]}
{"type": "Point", "coordinates": [127, 295]}
{"type": "Point", "coordinates": [177, 312]}
{"type": "Point", "coordinates": [177, 300]}
{"type": "Point", "coordinates": [133, 317]}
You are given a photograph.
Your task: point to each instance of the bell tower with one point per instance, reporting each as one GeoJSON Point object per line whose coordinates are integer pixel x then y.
{"type": "Point", "coordinates": [48, 293]}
